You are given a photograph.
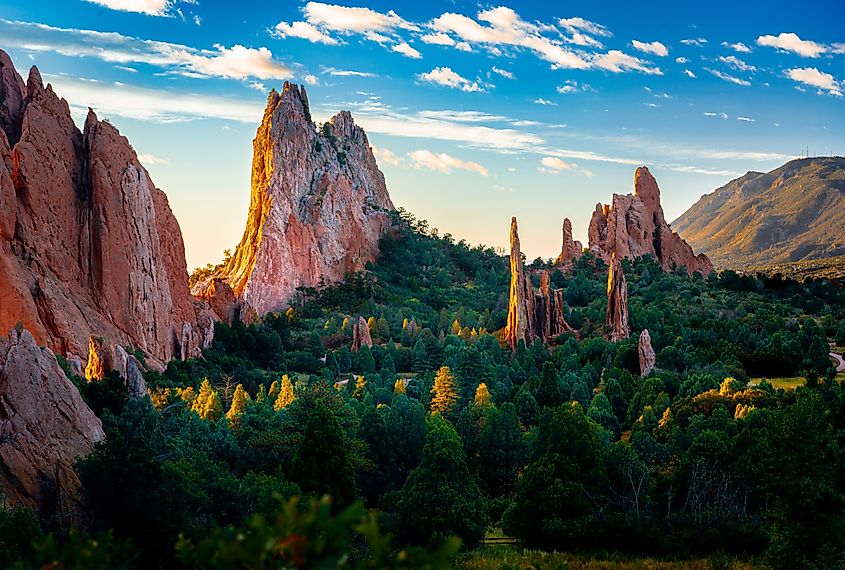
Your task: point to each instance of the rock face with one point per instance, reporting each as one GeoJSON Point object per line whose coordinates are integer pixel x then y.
{"type": "Point", "coordinates": [617, 302]}
{"type": "Point", "coordinates": [318, 208]}
{"type": "Point", "coordinates": [88, 245]}
{"type": "Point", "coordinates": [361, 335]}
{"type": "Point", "coordinates": [646, 353]}
{"type": "Point", "coordinates": [44, 427]}
{"type": "Point", "coordinates": [531, 314]}
{"type": "Point", "coordinates": [633, 225]}
{"type": "Point", "coordinates": [571, 249]}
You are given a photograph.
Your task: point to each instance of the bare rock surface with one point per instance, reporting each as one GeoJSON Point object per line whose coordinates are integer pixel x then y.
{"type": "Point", "coordinates": [617, 302]}
{"type": "Point", "coordinates": [646, 353]}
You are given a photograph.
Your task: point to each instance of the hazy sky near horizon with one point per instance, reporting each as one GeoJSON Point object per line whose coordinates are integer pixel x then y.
{"type": "Point", "coordinates": [477, 111]}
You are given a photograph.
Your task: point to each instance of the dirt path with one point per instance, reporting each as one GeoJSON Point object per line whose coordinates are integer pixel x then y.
{"type": "Point", "coordinates": [840, 362]}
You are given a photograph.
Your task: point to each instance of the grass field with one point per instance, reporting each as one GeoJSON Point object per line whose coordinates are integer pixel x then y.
{"type": "Point", "coordinates": [787, 383]}
{"type": "Point", "coordinates": [514, 558]}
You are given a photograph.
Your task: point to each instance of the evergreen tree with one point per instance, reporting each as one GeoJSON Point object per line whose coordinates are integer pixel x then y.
{"type": "Point", "coordinates": [360, 387]}
{"type": "Point", "coordinates": [399, 386]}
{"type": "Point", "coordinates": [549, 393]}
{"type": "Point", "coordinates": [207, 403]}
{"type": "Point", "coordinates": [363, 361]}
{"type": "Point", "coordinates": [273, 393]}
{"type": "Point", "coordinates": [444, 392]}
{"type": "Point", "coordinates": [322, 465]}
{"type": "Point", "coordinates": [482, 397]}
{"type": "Point", "coordinates": [286, 394]}
{"type": "Point", "coordinates": [344, 360]}
{"type": "Point", "coordinates": [239, 402]}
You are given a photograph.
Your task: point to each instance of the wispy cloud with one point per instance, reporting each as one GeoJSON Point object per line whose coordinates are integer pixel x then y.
{"type": "Point", "coordinates": [738, 47]}
{"type": "Point", "coordinates": [736, 63]}
{"type": "Point", "coordinates": [728, 77]}
{"type": "Point", "coordinates": [236, 62]}
{"type": "Point", "coordinates": [545, 102]}
{"type": "Point", "coordinates": [151, 159]}
{"type": "Point", "coordinates": [689, 73]}
{"type": "Point", "coordinates": [442, 162]}
{"type": "Point", "coordinates": [788, 41]}
{"type": "Point", "coordinates": [503, 72]}
{"type": "Point", "coordinates": [405, 49]}
{"type": "Point", "coordinates": [305, 31]}
{"type": "Point", "coordinates": [446, 77]}
{"type": "Point", "coordinates": [697, 42]}
{"type": "Point", "coordinates": [347, 72]}
{"type": "Point", "coordinates": [149, 7]}
{"type": "Point", "coordinates": [617, 61]}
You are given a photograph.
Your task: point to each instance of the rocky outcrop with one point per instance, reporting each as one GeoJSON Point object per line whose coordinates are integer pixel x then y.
{"type": "Point", "coordinates": [617, 302]}
{"type": "Point", "coordinates": [361, 335]}
{"type": "Point", "coordinates": [88, 245]}
{"type": "Point", "coordinates": [319, 204]}
{"type": "Point", "coordinates": [531, 314]}
{"type": "Point", "coordinates": [646, 353]}
{"type": "Point", "coordinates": [571, 249]}
{"type": "Point", "coordinates": [44, 427]}
{"type": "Point", "coordinates": [633, 225]}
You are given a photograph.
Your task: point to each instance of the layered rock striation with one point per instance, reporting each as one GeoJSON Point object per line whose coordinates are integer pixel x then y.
{"type": "Point", "coordinates": [44, 427]}
{"type": "Point", "coordinates": [88, 244]}
{"type": "Point", "coordinates": [633, 225]}
{"type": "Point", "coordinates": [531, 315]}
{"type": "Point", "coordinates": [318, 208]}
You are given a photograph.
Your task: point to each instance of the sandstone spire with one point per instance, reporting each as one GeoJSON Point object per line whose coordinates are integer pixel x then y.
{"type": "Point", "coordinates": [646, 353]}
{"type": "Point", "coordinates": [361, 335]}
{"type": "Point", "coordinates": [520, 324]}
{"type": "Point", "coordinates": [88, 245]}
{"type": "Point", "coordinates": [571, 249]}
{"type": "Point", "coordinates": [633, 225]}
{"type": "Point", "coordinates": [318, 208]}
{"type": "Point", "coordinates": [617, 302]}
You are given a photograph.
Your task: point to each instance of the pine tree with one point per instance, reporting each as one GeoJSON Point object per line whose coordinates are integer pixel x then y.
{"type": "Point", "coordinates": [239, 402]}
{"type": "Point", "coordinates": [399, 386]}
{"type": "Point", "coordinates": [286, 394]}
{"type": "Point", "coordinates": [482, 396]}
{"type": "Point", "coordinates": [444, 392]}
{"type": "Point", "coordinates": [360, 387]}
{"type": "Point", "coordinates": [261, 395]}
{"type": "Point", "coordinates": [207, 403]}
{"type": "Point", "coordinates": [274, 391]}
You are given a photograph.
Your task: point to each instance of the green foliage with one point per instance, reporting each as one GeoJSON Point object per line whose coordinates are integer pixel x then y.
{"type": "Point", "coordinates": [19, 528]}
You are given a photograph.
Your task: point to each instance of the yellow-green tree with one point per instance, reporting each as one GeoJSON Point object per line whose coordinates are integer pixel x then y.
{"type": "Point", "coordinates": [207, 403]}
{"type": "Point", "coordinates": [399, 386]}
{"type": "Point", "coordinates": [286, 394]}
{"type": "Point", "coordinates": [444, 392]}
{"type": "Point", "coordinates": [482, 396]}
{"type": "Point", "coordinates": [274, 391]}
{"type": "Point", "coordinates": [239, 402]}
{"type": "Point", "coordinates": [360, 386]}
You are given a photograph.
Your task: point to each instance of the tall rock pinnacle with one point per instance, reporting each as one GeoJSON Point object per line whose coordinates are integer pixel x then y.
{"type": "Point", "coordinates": [633, 225]}
{"type": "Point", "coordinates": [318, 208]}
{"type": "Point", "coordinates": [617, 302]}
{"type": "Point", "coordinates": [570, 249]}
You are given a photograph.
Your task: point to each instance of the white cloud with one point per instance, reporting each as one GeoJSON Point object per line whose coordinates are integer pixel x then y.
{"type": "Point", "coordinates": [151, 159]}
{"type": "Point", "coordinates": [617, 62]}
{"type": "Point", "coordinates": [736, 63]}
{"type": "Point", "coordinates": [791, 42]}
{"type": "Point", "coordinates": [305, 31]}
{"type": "Point", "coordinates": [406, 50]}
{"type": "Point", "coordinates": [580, 24]}
{"type": "Point", "coordinates": [655, 48]}
{"type": "Point", "coordinates": [347, 72]}
{"type": "Point", "coordinates": [815, 78]}
{"type": "Point", "coordinates": [545, 102]}
{"type": "Point", "coordinates": [738, 47]}
{"type": "Point", "coordinates": [681, 60]}
{"type": "Point", "coordinates": [150, 7]}
{"type": "Point", "coordinates": [746, 119]}
{"type": "Point", "coordinates": [697, 42]}
{"type": "Point", "coordinates": [135, 102]}
{"type": "Point", "coordinates": [463, 46]}
{"type": "Point", "coordinates": [237, 62]}
{"type": "Point", "coordinates": [386, 156]}
{"type": "Point", "coordinates": [442, 162]}
{"type": "Point", "coordinates": [348, 20]}
{"type": "Point", "coordinates": [463, 116]}
{"type": "Point", "coordinates": [572, 86]}
{"type": "Point", "coordinates": [503, 72]}
{"type": "Point", "coordinates": [728, 77]}
{"type": "Point", "coordinates": [553, 165]}
{"type": "Point", "coordinates": [258, 86]}
{"type": "Point", "coordinates": [689, 73]}
{"type": "Point", "coordinates": [721, 115]}
{"type": "Point", "coordinates": [448, 78]}
{"type": "Point", "coordinates": [439, 39]}
{"type": "Point", "coordinates": [837, 48]}
{"type": "Point", "coordinates": [311, 79]}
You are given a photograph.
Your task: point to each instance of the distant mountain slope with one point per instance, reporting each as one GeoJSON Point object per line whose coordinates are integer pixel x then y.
{"type": "Point", "coordinates": [793, 213]}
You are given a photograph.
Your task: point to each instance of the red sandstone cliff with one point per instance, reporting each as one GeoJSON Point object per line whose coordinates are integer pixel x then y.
{"type": "Point", "coordinates": [319, 205]}
{"type": "Point", "coordinates": [88, 244]}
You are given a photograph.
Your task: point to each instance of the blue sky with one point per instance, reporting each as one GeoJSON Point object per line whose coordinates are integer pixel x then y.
{"type": "Point", "coordinates": [477, 111]}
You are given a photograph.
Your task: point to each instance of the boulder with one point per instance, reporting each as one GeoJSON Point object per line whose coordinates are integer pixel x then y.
{"type": "Point", "coordinates": [361, 335]}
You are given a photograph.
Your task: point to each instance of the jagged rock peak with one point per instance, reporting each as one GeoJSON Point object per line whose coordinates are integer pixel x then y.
{"type": "Point", "coordinates": [617, 302]}
{"type": "Point", "coordinates": [318, 207]}
{"type": "Point", "coordinates": [95, 248]}
{"type": "Point", "coordinates": [361, 335]}
{"type": "Point", "coordinates": [646, 353]}
{"type": "Point", "coordinates": [633, 225]}
{"type": "Point", "coordinates": [570, 249]}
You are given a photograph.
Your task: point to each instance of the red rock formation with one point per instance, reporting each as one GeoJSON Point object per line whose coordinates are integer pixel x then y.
{"type": "Point", "coordinates": [220, 298]}
{"type": "Point", "coordinates": [617, 302]}
{"type": "Point", "coordinates": [634, 225]}
{"type": "Point", "coordinates": [95, 370]}
{"type": "Point", "coordinates": [646, 353]}
{"type": "Point", "coordinates": [88, 245]}
{"type": "Point", "coordinates": [361, 335]}
{"type": "Point", "coordinates": [531, 315]}
{"type": "Point", "coordinates": [318, 208]}
{"type": "Point", "coordinates": [44, 427]}
{"type": "Point", "coordinates": [571, 249]}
